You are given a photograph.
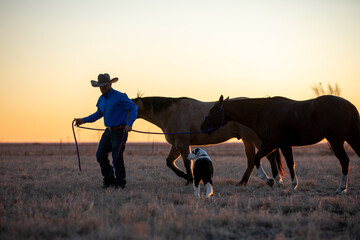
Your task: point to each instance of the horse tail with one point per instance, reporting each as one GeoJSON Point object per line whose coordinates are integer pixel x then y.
{"type": "Point", "coordinates": [280, 164]}
{"type": "Point", "coordinates": [354, 136]}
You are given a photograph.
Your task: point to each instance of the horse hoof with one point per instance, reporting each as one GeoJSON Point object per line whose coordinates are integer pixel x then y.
{"type": "Point", "coordinates": [293, 187]}
{"type": "Point", "coordinates": [188, 182]}
{"type": "Point", "coordinates": [242, 183]}
{"type": "Point", "coordinates": [271, 182]}
{"type": "Point", "coordinates": [210, 198]}
{"type": "Point", "coordinates": [279, 181]}
{"type": "Point", "coordinates": [341, 191]}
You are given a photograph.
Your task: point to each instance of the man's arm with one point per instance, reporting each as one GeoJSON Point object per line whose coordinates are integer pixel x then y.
{"type": "Point", "coordinates": [131, 108]}
{"type": "Point", "coordinates": [91, 118]}
{"type": "Point", "coordinates": [128, 127]}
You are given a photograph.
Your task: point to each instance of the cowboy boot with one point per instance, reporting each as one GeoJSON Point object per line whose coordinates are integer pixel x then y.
{"type": "Point", "coordinates": [118, 182]}
{"type": "Point", "coordinates": [108, 181]}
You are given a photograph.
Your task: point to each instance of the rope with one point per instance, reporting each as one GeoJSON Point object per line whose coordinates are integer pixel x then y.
{"type": "Point", "coordinates": [101, 129]}
{"type": "Point", "coordinates": [221, 111]}
{"type": "Point", "coordinates": [159, 133]}
{"type": "Point", "coordinates": [77, 148]}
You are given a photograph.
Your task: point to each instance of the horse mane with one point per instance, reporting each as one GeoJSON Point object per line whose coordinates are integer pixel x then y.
{"type": "Point", "coordinates": [159, 104]}
{"type": "Point", "coordinates": [139, 94]}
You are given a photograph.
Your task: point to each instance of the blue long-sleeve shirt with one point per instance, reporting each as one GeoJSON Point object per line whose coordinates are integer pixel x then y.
{"type": "Point", "coordinates": [114, 107]}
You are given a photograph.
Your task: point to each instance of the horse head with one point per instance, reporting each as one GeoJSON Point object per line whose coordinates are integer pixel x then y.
{"type": "Point", "coordinates": [216, 117]}
{"type": "Point", "coordinates": [148, 107]}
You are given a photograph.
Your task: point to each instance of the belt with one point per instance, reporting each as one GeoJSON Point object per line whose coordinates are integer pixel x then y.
{"type": "Point", "coordinates": [111, 129]}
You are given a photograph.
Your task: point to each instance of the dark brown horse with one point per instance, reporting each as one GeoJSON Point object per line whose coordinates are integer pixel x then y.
{"type": "Point", "coordinates": [282, 123]}
{"type": "Point", "coordinates": [183, 115]}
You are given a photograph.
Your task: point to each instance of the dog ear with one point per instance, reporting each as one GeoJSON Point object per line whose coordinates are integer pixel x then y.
{"type": "Point", "coordinates": [196, 151]}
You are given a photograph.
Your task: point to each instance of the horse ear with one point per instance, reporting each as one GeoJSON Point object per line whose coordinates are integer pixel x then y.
{"type": "Point", "coordinates": [221, 99]}
{"type": "Point", "coordinates": [227, 99]}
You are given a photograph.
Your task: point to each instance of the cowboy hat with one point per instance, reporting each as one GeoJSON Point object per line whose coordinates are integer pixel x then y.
{"type": "Point", "coordinates": [103, 79]}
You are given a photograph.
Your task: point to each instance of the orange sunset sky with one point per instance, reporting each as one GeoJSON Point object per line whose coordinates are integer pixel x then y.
{"type": "Point", "coordinates": [50, 50]}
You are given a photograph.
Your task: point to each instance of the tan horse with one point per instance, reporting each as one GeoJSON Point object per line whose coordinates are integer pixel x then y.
{"type": "Point", "coordinates": [183, 115]}
{"type": "Point", "coordinates": [282, 123]}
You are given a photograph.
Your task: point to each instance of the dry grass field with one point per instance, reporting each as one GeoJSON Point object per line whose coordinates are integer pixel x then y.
{"type": "Point", "coordinates": [44, 196]}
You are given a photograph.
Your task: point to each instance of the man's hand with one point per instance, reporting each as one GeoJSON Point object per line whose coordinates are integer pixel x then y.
{"type": "Point", "coordinates": [127, 129]}
{"type": "Point", "coordinates": [79, 121]}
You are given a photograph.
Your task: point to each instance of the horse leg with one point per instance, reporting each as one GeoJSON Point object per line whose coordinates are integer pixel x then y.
{"type": "Point", "coordinates": [258, 156]}
{"type": "Point", "coordinates": [339, 151]}
{"type": "Point", "coordinates": [183, 148]}
{"type": "Point", "coordinates": [250, 155]}
{"type": "Point", "coordinates": [288, 154]}
{"type": "Point", "coordinates": [354, 138]}
{"type": "Point", "coordinates": [188, 166]}
{"type": "Point", "coordinates": [276, 166]}
{"type": "Point", "coordinates": [170, 161]}
{"type": "Point", "coordinates": [355, 145]}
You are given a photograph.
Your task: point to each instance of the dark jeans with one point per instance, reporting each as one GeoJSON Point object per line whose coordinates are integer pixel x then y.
{"type": "Point", "coordinates": [110, 142]}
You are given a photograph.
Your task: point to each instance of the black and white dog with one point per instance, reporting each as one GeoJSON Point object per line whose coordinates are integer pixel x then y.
{"type": "Point", "coordinates": [202, 171]}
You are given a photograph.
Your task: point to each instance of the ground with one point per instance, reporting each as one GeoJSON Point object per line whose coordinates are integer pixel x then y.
{"type": "Point", "coordinates": [43, 195]}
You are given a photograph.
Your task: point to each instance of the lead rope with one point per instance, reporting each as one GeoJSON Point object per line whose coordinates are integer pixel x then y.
{"type": "Point", "coordinates": [122, 140]}
{"type": "Point", "coordinates": [221, 111]}
{"type": "Point", "coordinates": [77, 148]}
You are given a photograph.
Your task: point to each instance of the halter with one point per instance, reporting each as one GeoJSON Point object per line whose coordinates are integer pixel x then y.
{"type": "Point", "coordinates": [223, 120]}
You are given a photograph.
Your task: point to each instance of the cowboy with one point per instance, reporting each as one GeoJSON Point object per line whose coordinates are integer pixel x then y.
{"type": "Point", "coordinates": [119, 114]}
